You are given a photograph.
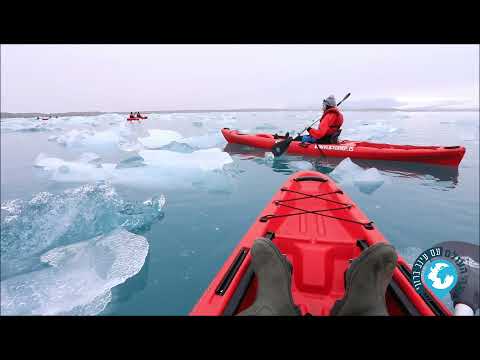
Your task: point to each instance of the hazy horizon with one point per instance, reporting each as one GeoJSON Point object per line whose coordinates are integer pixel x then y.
{"type": "Point", "coordinates": [123, 78]}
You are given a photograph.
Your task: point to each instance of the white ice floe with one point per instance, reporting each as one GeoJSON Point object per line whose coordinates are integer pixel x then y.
{"type": "Point", "coordinates": [148, 168]}
{"type": "Point", "coordinates": [24, 125]}
{"type": "Point", "coordinates": [367, 181]}
{"type": "Point", "coordinates": [79, 277]}
{"type": "Point", "coordinates": [158, 138]}
{"type": "Point", "coordinates": [81, 170]}
{"type": "Point", "coordinates": [207, 159]}
{"type": "Point", "coordinates": [203, 141]}
{"type": "Point", "coordinates": [89, 138]}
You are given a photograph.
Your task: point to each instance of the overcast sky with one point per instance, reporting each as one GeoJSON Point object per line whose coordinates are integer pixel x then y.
{"type": "Point", "coordinates": [61, 78]}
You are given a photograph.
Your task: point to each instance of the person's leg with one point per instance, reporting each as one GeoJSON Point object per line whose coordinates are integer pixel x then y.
{"type": "Point", "coordinates": [366, 282]}
{"type": "Point", "coordinates": [274, 275]}
{"type": "Point", "coordinates": [324, 140]}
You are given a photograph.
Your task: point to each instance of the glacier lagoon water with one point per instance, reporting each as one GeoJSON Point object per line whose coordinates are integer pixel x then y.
{"type": "Point", "coordinates": [101, 216]}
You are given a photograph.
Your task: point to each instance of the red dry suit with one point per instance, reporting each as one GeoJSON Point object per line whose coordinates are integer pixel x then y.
{"type": "Point", "coordinates": [331, 122]}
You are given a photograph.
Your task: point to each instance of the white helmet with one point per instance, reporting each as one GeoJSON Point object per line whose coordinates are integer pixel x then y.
{"type": "Point", "coordinates": [329, 101]}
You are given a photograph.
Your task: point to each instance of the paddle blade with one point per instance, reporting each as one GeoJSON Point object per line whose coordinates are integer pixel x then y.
{"type": "Point", "coordinates": [279, 148]}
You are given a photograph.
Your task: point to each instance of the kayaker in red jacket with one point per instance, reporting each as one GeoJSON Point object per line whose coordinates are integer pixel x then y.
{"type": "Point", "coordinates": [329, 127]}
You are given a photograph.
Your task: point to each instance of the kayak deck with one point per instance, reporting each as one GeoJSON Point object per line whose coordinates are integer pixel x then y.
{"type": "Point", "coordinates": [440, 155]}
{"type": "Point", "coordinates": [319, 229]}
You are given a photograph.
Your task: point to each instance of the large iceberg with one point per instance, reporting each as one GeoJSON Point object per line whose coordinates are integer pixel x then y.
{"type": "Point", "coordinates": [31, 227]}
{"type": "Point", "coordinates": [78, 278]}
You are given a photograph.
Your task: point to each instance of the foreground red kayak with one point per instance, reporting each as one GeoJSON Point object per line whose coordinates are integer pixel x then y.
{"type": "Point", "coordinates": [440, 155]}
{"type": "Point", "coordinates": [319, 228]}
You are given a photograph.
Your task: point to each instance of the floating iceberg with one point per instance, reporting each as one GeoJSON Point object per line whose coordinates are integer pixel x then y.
{"type": "Point", "coordinates": [207, 160]}
{"type": "Point", "coordinates": [79, 277]}
{"type": "Point", "coordinates": [367, 181]}
{"type": "Point", "coordinates": [158, 138]}
{"type": "Point", "coordinates": [32, 227]}
{"type": "Point", "coordinates": [203, 141]}
{"type": "Point", "coordinates": [148, 168]}
{"type": "Point", "coordinates": [24, 125]}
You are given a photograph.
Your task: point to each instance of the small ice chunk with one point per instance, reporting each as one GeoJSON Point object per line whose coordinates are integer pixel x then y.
{"type": "Point", "coordinates": [269, 156]}
{"type": "Point", "coordinates": [346, 170]}
{"type": "Point", "coordinates": [367, 181]}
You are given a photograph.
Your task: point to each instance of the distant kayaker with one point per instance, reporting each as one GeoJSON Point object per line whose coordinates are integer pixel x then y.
{"type": "Point", "coordinates": [131, 115]}
{"type": "Point", "coordinates": [329, 126]}
{"type": "Point", "coordinates": [138, 115]}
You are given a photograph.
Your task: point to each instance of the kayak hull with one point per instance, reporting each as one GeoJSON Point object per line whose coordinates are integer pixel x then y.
{"type": "Point", "coordinates": [449, 156]}
{"type": "Point", "coordinates": [318, 246]}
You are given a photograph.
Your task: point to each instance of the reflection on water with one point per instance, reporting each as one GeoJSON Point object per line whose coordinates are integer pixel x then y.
{"type": "Point", "coordinates": [326, 165]}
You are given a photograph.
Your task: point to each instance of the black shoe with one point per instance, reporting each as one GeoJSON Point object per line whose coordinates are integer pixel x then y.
{"type": "Point", "coordinates": [274, 275]}
{"type": "Point", "coordinates": [366, 282]}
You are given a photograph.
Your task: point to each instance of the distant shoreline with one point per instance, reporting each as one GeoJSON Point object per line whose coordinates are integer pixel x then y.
{"type": "Point", "coordinates": [97, 113]}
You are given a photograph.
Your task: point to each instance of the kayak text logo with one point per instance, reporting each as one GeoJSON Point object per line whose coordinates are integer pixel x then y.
{"type": "Point", "coordinates": [441, 270]}
{"type": "Point", "coordinates": [336, 147]}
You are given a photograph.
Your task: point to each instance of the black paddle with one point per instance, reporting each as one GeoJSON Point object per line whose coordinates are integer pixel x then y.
{"type": "Point", "coordinates": [279, 148]}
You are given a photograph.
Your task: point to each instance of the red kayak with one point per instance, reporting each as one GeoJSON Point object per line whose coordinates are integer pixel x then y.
{"type": "Point", "coordinates": [440, 155]}
{"type": "Point", "coordinates": [137, 118]}
{"type": "Point", "coordinates": [319, 228]}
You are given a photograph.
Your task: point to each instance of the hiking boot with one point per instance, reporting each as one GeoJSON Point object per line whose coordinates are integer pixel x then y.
{"type": "Point", "coordinates": [274, 275]}
{"type": "Point", "coordinates": [366, 282]}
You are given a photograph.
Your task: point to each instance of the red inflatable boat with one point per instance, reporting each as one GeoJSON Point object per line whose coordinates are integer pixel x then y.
{"type": "Point", "coordinates": [440, 155]}
{"type": "Point", "coordinates": [319, 228]}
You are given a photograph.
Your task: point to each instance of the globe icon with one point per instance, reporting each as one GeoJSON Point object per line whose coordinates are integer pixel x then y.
{"type": "Point", "coordinates": [440, 277]}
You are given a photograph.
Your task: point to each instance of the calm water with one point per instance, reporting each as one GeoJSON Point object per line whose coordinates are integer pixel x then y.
{"type": "Point", "coordinates": [207, 210]}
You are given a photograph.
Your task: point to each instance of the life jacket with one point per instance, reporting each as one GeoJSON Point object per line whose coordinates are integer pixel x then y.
{"type": "Point", "coordinates": [330, 123]}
